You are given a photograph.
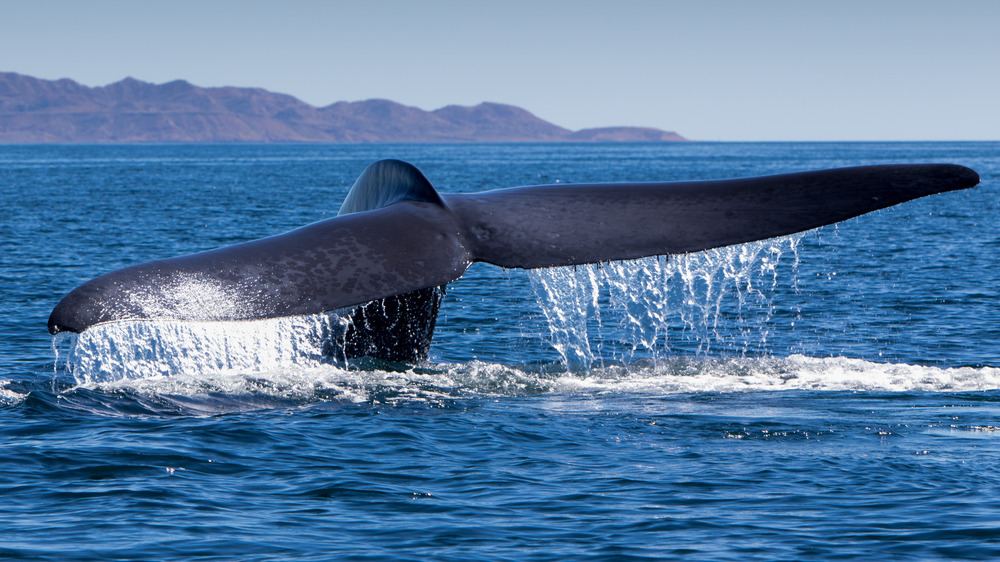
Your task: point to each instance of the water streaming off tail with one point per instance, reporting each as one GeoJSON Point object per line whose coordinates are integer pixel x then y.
{"type": "Point", "coordinates": [213, 367]}
{"type": "Point", "coordinates": [691, 323]}
{"type": "Point", "coordinates": [143, 349]}
{"type": "Point", "coordinates": [717, 300]}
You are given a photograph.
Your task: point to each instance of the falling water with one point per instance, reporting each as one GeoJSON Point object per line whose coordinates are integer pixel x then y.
{"type": "Point", "coordinates": [620, 310]}
{"type": "Point", "coordinates": [144, 349]}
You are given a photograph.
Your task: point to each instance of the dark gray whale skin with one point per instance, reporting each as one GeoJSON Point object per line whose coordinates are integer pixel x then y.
{"type": "Point", "coordinates": [397, 242]}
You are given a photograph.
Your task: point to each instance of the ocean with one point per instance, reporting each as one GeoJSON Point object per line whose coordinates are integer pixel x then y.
{"type": "Point", "coordinates": [829, 395]}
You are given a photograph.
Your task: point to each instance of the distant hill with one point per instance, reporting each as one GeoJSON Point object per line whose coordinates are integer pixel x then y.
{"type": "Point", "coordinates": [41, 111]}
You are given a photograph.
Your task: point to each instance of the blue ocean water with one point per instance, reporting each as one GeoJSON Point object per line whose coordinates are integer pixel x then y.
{"type": "Point", "coordinates": [832, 395]}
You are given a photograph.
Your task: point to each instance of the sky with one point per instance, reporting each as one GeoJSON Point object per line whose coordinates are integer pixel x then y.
{"type": "Point", "coordinates": [714, 70]}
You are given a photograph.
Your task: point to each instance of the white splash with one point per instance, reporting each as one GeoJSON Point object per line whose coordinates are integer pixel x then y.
{"type": "Point", "coordinates": [438, 385]}
{"type": "Point", "coordinates": [796, 372]}
{"type": "Point", "coordinates": [9, 396]}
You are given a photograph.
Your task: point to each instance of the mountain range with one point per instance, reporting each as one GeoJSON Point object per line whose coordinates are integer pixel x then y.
{"type": "Point", "coordinates": [34, 110]}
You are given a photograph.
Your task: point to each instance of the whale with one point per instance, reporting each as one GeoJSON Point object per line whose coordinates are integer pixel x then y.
{"type": "Point", "coordinates": [385, 259]}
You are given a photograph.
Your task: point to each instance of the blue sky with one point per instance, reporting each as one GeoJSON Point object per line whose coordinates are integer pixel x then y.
{"type": "Point", "coordinates": [708, 69]}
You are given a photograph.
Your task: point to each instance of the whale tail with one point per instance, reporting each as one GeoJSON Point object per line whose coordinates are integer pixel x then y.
{"type": "Point", "coordinates": [397, 328]}
{"type": "Point", "coordinates": [397, 242]}
{"type": "Point", "coordinates": [386, 182]}
{"type": "Point", "coordinates": [573, 224]}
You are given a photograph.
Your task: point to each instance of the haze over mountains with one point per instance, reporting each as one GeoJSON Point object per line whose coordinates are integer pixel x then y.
{"type": "Point", "coordinates": [33, 110]}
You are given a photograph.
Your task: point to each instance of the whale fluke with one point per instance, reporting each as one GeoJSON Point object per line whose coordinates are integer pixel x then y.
{"type": "Point", "coordinates": [397, 236]}
{"type": "Point", "coordinates": [547, 226]}
{"type": "Point", "coordinates": [328, 265]}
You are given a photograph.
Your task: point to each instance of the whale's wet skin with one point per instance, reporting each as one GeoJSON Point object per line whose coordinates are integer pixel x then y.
{"type": "Point", "coordinates": [829, 394]}
{"type": "Point", "coordinates": [396, 242]}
